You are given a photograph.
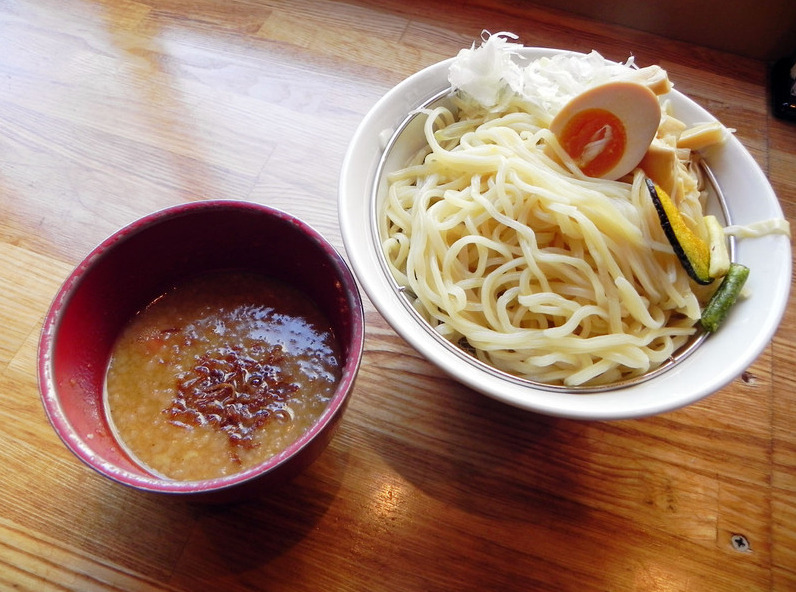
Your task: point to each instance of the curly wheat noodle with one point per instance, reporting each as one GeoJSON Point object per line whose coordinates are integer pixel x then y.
{"type": "Point", "coordinates": [543, 272]}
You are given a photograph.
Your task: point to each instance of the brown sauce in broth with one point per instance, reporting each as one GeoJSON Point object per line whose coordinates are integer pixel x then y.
{"type": "Point", "coordinates": [220, 374]}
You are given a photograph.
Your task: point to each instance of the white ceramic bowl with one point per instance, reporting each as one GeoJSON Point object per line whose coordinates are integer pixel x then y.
{"type": "Point", "coordinates": [711, 365]}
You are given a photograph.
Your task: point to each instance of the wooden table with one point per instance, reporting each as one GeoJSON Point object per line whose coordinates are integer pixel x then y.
{"type": "Point", "coordinates": [110, 109]}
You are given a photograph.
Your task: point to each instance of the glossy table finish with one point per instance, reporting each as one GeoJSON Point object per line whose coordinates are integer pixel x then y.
{"type": "Point", "coordinates": [112, 109]}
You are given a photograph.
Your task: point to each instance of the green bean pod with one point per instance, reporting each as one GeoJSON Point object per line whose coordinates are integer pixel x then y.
{"type": "Point", "coordinates": [724, 298]}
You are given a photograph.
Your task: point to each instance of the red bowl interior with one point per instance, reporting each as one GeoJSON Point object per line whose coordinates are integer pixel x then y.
{"type": "Point", "coordinates": [137, 264]}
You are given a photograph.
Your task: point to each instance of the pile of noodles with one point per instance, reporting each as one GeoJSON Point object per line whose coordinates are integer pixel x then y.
{"type": "Point", "coordinates": [510, 252]}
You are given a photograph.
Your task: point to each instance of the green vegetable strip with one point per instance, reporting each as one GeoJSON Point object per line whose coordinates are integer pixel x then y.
{"type": "Point", "coordinates": [725, 296]}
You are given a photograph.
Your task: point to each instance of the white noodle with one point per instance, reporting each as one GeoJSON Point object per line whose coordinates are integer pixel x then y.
{"type": "Point", "coordinates": [543, 272]}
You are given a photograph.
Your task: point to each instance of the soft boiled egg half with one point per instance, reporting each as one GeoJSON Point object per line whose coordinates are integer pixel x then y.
{"type": "Point", "coordinates": [608, 129]}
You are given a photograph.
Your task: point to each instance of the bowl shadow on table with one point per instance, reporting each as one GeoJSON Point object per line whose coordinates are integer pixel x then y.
{"type": "Point", "coordinates": [243, 535]}
{"type": "Point", "coordinates": [483, 456]}
{"type": "Point", "coordinates": [185, 540]}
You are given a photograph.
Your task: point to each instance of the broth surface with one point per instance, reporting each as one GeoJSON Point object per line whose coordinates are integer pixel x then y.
{"type": "Point", "coordinates": [220, 374]}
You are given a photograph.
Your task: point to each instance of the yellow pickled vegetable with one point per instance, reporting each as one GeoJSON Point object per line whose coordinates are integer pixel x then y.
{"type": "Point", "coordinates": [693, 251]}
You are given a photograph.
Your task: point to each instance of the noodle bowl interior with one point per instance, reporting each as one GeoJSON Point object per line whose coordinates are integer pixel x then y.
{"type": "Point", "coordinates": [508, 251]}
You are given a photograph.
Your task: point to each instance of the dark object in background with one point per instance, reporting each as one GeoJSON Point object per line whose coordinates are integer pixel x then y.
{"type": "Point", "coordinates": [783, 88]}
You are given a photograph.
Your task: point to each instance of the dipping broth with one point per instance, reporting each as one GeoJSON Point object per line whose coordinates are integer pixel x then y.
{"type": "Point", "coordinates": [220, 374]}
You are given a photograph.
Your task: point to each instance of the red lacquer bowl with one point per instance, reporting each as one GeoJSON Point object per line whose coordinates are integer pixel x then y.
{"type": "Point", "coordinates": [137, 264]}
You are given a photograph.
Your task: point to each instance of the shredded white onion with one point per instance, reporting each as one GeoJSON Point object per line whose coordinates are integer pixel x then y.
{"type": "Point", "coordinates": [489, 71]}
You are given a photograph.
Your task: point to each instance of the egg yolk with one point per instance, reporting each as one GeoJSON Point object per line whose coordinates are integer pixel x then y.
{"type": "Point", "coordinates": [595, 139]}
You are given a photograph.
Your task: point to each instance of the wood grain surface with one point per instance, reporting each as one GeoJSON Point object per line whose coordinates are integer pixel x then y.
{"type": "Point", "coordinates": [110, 109]}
